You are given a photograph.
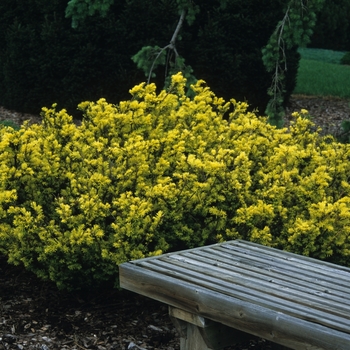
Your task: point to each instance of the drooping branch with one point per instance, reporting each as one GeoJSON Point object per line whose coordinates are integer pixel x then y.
{"type": "Point", "coordinates": [276, 79]}
{"type": "Point", "coordinates": [171, 45]}
{"type": "Point", "coordinates": [294, 29]}
{"type": "Point", "coordinates": [177, 30]}
{"type": "Point", "coordinates": [154, 61]}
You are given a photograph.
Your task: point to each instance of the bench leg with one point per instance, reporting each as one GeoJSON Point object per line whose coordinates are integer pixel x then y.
{"type": "Point", "coordinates": [192, 339]}
{"type": "Point", "coordinates": [198, 333]}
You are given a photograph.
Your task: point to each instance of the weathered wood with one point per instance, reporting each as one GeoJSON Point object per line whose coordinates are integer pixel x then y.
{"type": "Point", "coordinates": [193, 339]}
{"type": "Point", "coordinates": [299, 302]}
{"type": "Point", "coordinates": [188, 317]}
{"type": "Point", "coordinates": [214, 335]}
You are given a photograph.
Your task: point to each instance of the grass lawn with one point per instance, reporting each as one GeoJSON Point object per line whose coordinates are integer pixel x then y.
{"type": "Point", "coordinates": [320, 73]}
{"type": "Point", "coordinates": [322, 55]}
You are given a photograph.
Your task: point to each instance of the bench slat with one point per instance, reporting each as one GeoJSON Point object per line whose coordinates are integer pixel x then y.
{"type": "Point", "coordinates": [320, 268]}
{"type": "Point", "coordinates": [280, 296]}
{"type": "Point", "coordinates": [295, 277]}
{"type": "Point", "coordinates": [291, 284]}
{"type": "Point", "coordinates": [232, 312]}
{"type": "Point", "coordinates": [249, 248]}
{"type": "Point", "coordinates": [253, 292]}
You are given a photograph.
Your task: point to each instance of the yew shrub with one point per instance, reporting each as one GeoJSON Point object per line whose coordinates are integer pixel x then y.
{"type": "Point", "coordinates": [162, 172]}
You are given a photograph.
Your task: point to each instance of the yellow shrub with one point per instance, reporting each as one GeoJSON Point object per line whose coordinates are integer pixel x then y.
{"type": "Point", "coordinates": [163, 172]}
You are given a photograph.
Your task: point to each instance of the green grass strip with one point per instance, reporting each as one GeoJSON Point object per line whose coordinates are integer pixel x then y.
{"type": "Point", "coordinates": [322, 55]}
{"type": "Point", "coordinates": [323, 79]}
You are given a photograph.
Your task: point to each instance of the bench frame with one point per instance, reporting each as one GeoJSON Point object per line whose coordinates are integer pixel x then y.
{"type": "Point", "coordinates": [199, 333]}
{"type": "Point", "coordinates": [208, 318]}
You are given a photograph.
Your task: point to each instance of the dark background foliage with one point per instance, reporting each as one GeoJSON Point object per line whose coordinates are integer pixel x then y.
{"type": "Point", "coordinates": [228, 48]}
{"type": "Point", "coordinates": [332, 30]}
{"type": "Point", "coordinates": [44, 61]}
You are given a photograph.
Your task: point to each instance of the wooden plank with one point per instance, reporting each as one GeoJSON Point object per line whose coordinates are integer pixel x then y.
{"type": "Point", "coordinates": [243, 315]}
{"type": "Point", "coordinates": [286, 291]}
{"type": "Point", "coordinates": [336, 319]}
{"type": "Point", "coordinates": [215, 335]}
{"type": "Point", "coordinates": [296, 301]}
{"type": "Point", "coordinates": [281, 272]}
{"type": "Point", "coordinates": [188, 317]}
{"type": "Point", "coordinates": [193, 339]}
{"type": "Point", "coordinates": [261, 260]}
{"type": "Point", "coordinates": [251, 247]}
{"type": "Point", "coordinates": [281, 277]}
{"type": "Point", "coordinates": [256, 279]}
{"type": "Point", "coordinates": [331, 285]}
{"type": "Point", "coordinates": [288, 283]}
{"type": "Point", "coordinates": [272, 289]}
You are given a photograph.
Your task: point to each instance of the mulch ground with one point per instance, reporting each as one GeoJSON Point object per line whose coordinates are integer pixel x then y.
{"type": "Point", "coordinates": [35, 315]}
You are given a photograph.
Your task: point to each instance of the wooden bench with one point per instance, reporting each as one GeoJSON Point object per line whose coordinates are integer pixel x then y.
{"type": "Point", "coordinates": [222, 294]}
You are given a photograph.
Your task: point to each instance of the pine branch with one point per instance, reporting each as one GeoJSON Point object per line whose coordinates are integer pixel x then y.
{"type": "Point", "coordinates": [170, 46]}
{"type": "Point", "coordinates": [177, 30]}
{"type": "Point", "coordinates": [276, 80]}
{"type": "Point", "coordinates": [154, 61]}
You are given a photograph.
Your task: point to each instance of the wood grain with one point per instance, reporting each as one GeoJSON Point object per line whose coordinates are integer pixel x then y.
{"type": "Point", "coordinates": [292, 300]}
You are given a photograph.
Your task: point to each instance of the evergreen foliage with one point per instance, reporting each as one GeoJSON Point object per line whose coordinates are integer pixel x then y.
{"type": "Point", "coordinates": [332, 30]}
{"type": "Point", "coordinates": [345, 135]}
{"type": "Point", "coordinates": [163, 172]}
{"type": "Point", "coordinates": [292, 31]}
{"type": "Point", "coordinates": [346, 59]}
{"type": "Point", "coordinates": [228, 51]}
{"type": "Point", "coordinates": [78, 10]}
{"type": "Point", "coordinates": [9, 123]}
{"type": "Point", "coordinates": [43, 60]}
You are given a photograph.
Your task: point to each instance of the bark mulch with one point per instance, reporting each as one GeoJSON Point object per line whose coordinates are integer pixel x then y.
{"type": "Point", "coordinates": [34, 314]}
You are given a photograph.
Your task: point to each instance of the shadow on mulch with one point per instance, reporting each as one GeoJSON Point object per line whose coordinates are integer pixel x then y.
{"type": "Point", "coordinates": [35, 315]}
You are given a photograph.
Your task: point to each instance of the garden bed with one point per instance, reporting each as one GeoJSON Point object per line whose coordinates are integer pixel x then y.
{"type": "Point", "coordinates": [35, 315]}
{"type": "Point", "coordinates": [326, 112]}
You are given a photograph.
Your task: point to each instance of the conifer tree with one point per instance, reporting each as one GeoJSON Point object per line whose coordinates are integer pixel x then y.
{"type": "Point", "coordinates": [293, 30]}
{"type": "Point", "coordinates": [148, 58]}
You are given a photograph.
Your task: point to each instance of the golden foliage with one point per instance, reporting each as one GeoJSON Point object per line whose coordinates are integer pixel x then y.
{"type": "Point", "coordinates": [166, 171]}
